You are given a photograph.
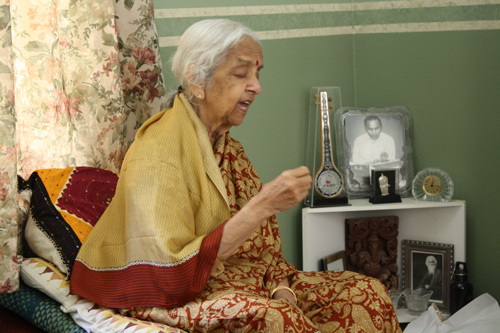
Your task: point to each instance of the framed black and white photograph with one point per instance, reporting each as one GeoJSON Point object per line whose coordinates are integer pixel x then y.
{"type": "Point", "coordinates": [374, 139]}
{"type": "Point", "coordinates": [334, 262]}
{"type": "Point", "coordinates": [428, 265]}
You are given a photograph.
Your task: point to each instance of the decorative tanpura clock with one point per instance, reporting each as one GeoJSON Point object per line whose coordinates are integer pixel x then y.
{"type": "Point", "coordinates": [432, 184]}
{"type": "Point", "coordinates": [328, 181]}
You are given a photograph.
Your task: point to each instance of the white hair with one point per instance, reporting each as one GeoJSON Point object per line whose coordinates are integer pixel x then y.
{"type": "Point", "coordinates": [204, 46]}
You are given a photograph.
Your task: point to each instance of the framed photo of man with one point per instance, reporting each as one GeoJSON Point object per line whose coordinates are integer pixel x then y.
{"type": "Point", "coordinates": [429, 266]}
{"type": "Point", "coordinates": [374, 139]}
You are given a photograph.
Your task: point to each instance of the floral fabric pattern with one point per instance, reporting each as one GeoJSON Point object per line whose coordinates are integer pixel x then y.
{"type": "Point", "coordinates": [78, 78]}
{"type": "Point", "coordinates": [9, 261]}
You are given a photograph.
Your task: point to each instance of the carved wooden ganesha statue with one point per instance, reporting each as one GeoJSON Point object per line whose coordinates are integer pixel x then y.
{"type": "Point", "coordinates": [372, 246]}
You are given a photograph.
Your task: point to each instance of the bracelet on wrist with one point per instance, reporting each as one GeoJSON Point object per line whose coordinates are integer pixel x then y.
{"type": "Point", "coordinates": [283, 287]}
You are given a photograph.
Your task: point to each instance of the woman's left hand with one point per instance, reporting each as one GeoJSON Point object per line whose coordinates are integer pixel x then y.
{"type": "Point", "coordinates": [285, 294]}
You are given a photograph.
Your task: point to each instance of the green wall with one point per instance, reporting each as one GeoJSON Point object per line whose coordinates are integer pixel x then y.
{"type": "Point", "coordinates": [442, 62]}
{"type": "Point", "coordinates": [451, 82]}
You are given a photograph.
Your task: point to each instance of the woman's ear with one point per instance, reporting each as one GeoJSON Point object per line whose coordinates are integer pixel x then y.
{"type": "Point", "coordinates": [197, 91]}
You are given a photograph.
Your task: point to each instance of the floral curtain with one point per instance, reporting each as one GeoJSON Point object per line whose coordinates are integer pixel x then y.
{"type": "Point", "coordinates": [77, 79]}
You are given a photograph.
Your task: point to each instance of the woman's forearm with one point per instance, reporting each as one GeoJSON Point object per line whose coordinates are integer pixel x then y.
{"type": "Point", "coordinates": [282, 193]}
{"type": "Point", "coordinates": [239, 228]}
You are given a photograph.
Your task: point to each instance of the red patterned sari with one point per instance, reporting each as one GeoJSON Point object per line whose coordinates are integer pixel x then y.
{"type": "Point", "coordinates": [238, 298]}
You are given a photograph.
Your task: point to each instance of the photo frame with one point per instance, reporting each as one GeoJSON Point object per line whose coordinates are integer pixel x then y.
{"type": "Point", "coordinates": [417, 264]}
{"type": "Point", "coordinates": [334, 262]}
{"type": "Point", "coordinates": [369, 139]}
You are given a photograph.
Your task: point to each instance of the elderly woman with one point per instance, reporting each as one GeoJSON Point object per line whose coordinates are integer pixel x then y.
{"type": "Point", "coordinates": [190, 238]}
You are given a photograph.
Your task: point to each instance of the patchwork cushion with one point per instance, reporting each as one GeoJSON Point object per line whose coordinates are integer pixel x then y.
{"type": "Point", "coordinates": [65, 206]}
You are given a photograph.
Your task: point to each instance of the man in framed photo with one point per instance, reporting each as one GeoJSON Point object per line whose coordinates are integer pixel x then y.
{"type": "Point", "coordinates": [433, 278]}
{"type": "Point", "coordinates": [372, 150]}
{"type": "Point", "coordinates": [374, 146]}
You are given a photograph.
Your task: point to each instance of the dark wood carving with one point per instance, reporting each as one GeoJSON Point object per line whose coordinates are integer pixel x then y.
{"type": "Point", "coordinates": [372, 248]}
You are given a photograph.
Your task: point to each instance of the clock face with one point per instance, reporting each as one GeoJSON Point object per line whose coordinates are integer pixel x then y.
{"type": "Point", "coordinates": [328, 183]}
{"type": "Point", "coordinates": [432, 185]}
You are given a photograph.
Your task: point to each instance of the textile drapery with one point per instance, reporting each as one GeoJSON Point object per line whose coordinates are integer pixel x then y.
{"type": "Point", "coordinates": [77, 79]}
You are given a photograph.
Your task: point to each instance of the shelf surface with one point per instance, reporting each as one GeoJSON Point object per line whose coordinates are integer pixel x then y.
{"type": "Point", "coordinates": [356, 205]}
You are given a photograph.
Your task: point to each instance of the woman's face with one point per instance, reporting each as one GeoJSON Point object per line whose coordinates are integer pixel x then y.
{"type": "Point", "coordinates": [235, 86]}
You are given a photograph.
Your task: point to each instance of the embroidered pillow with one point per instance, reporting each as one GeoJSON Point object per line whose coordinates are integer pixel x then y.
{"type": "Point", "coordinates": [65, 206]}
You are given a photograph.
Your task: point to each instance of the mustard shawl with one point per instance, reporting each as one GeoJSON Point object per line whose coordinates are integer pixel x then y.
{"type": "Point", "coordinates": [169, 197]}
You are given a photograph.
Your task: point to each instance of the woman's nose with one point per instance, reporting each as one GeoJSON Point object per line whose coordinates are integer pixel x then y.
{"type": "Point", "coordinates": [254, 86]}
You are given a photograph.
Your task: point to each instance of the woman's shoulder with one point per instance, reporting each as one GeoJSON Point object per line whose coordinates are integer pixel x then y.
{"type": "Point", "coordinates": [162, 137]}
{"type": "Point", "coordinates": [170, 117]}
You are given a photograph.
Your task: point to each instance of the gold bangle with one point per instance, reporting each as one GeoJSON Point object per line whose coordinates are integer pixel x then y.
{"type": "Point", "coordinates": [283, 287]}
{"type": "Point", "coordinates": [220, 259]}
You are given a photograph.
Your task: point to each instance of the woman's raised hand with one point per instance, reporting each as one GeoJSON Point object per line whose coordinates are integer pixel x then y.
{"type": "Point", "coordinates": [286, 190]}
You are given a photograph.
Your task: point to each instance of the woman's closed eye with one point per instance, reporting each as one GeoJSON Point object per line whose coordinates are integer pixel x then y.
{"type": "Point", "coordinates": [241, 75]}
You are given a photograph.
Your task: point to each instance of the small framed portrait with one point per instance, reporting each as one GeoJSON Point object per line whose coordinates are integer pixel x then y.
{"type": "Point", "coordinates": [374, 139]}
{"type": "Point", "coordinates": [334, 262]}
{"type": "Point", "coordinates": [428, 265]}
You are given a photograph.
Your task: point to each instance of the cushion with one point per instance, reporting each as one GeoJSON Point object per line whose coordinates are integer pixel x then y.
{"type": "Point", "coordinates": [65, 206]}
{"type": "Point", "coordinates": [39, 309]}
{"type": "Point", "coordinates": [95, 318]}
{"type": "Point", "coordinates": [42, 275]}
{"type": "Point", "coordinates": [45, 277]}
{"type": "Point", "coordinates": [23, 203]}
